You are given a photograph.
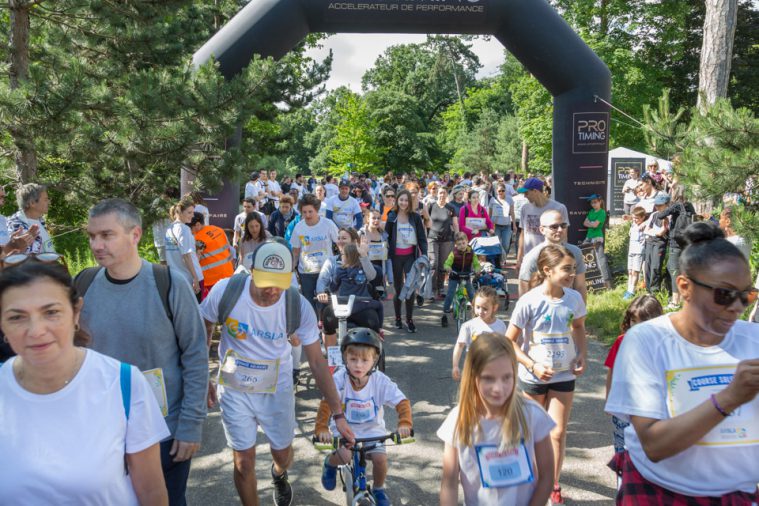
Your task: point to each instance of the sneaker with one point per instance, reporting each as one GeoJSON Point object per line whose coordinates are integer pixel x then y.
{"type": "Point", "coordinates": [411, 326]}
{"type": "Point", "coordinates": [329, 475]}
{"type": "Point", "coordinates": [628, 295]}
{"type": "Point", "coordinates": [283, 492]}
{"type": "Point", "coordinates": [398, 323]}
{"type": "Point", "coordinates": [556, 496]}
{"type": "Point", "coordinates": [419, 300]}
{"type": "Point", "coordinates": [381, 497]}
{"type": "Point", "coordinates": [444, 321]}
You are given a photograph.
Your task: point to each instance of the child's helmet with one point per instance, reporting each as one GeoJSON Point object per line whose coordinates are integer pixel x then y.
{"type": "Point", "coordinates": [361, 335]}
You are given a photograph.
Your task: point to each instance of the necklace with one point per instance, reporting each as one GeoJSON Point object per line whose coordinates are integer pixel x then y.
{"type": "Point", "coordinates": [78, 359]}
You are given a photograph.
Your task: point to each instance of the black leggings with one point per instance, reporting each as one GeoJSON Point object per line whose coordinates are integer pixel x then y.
{"type": "Point", "coordinates": [401, 266]}
{"type": "Point", "coordinates": [368, 317]}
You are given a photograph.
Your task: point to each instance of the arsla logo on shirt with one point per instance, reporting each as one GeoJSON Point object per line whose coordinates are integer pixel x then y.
{"type": "Point", "coordinates": [275, 262]}
{"type": "Point", "coordinates": [236, 329]}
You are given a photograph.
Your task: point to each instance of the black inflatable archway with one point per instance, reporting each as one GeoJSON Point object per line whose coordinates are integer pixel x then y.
{"type": "Point", "coordinates": [530, 29]}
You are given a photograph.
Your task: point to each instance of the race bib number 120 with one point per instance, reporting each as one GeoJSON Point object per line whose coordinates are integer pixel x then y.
{"type": "Point", "coordinates": [508, 468]}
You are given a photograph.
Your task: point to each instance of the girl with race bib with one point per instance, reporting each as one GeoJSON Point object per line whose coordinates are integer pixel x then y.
{"type": "Point", "coordinates": [485, 309]}
{"type": "Point", "coordinates": [497, 442]}
{"type": "Point", "coordinates": [364, 392]}
{"type": "Point", "coordinates": [687, 382]}
{"type": "Point", "coordinates": [377, 253]}
{"type": "Point", "coordinates": [548, 325]}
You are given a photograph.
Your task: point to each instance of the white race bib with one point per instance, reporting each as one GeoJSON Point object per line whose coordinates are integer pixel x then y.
{"type": "Point", "coordinates": [313, 261]}
{"type": "Point", "coordinates": [248, 375]}
{"type": "Point", "coordinates": [406, 236]}
{"type": "Point", "coordinates": [360, 411]}
{"type": "Point", "coordinates": [475, 223]}
{"type": "Point", "coordinates": [334, 357]}
{"type": "Point", "coordinates": [377, 251]}
{"type": "Point", "coordinates": [555, 350]}
{"type": "Point", "coordinates": [687, 388]}
{"type": "Point", "coordinates": [158, 387]}
{"type": "Point", "coordinates": [508, 468]}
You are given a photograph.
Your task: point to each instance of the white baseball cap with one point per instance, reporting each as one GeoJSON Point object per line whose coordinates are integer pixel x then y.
{"type": "Point", "coordinates": [272, 265]}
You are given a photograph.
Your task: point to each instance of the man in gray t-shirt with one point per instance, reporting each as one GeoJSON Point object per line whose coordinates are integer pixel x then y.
{"type": "Point", "coordinates": [529, 219]}
{"type": "Point", "coordinates": [554, 228]}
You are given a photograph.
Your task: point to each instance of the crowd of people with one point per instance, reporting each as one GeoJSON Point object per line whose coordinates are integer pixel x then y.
{"type": "Point", "coordinates": [80, 365]}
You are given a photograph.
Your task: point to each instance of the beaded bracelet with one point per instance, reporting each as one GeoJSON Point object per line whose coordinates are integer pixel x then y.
{"type": "Point", "coordinates": [718, 407]}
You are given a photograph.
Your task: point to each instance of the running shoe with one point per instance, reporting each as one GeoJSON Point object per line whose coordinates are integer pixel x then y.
{"type": "Point", "coordinates": [444, 321]}
{"type": "Point", "coordinates": [419, 300]}
{"type": "Point", "coordinates": [329, 475]}
{"type": "Point", "coordinates": [411, 326]}
{"type": "Point", "coordinates": [381, 497]}
{"type": "Point", "coordinates": [628, 296]}
{"type": "Point", "coordinates": [283, 492]}
{"type": "Point", "coordinates": [398, 323]}
{"type": "Point", "coordinates": [556, 496]}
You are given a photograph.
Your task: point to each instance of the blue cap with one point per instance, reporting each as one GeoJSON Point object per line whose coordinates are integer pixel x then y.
{"type": "Point", "coordinates": [661, 199]}
{"type": "Point", "coordinates": [532, 183]}
{"type": "Point", "coordinates": [593, 196]}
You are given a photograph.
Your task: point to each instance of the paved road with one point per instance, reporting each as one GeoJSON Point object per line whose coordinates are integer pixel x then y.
{"type": "Point", "coordinates": [420, 364]}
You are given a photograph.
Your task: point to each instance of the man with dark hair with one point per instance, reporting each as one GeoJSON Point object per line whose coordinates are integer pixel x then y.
{"type": "Point", "coordinates": [147, 316]}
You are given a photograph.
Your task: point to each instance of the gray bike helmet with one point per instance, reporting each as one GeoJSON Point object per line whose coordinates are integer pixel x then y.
{"type": "Point", "coordinates": [364, 336]}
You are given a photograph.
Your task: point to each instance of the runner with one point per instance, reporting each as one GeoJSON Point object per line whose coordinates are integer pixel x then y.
{"type": "Point", "coordinates": [688, 383]}
{"type": "Point", "coordinates": [485, 310]}
{"type": "Point", "coordinates": [255, 386]}
{"type": "Point", "coordinates": [549, 323]}
{"type": "Point", "coordinates": [494, 434]}
{"type": "Point", "coordinates": [136, 318]}
{"type": "Point", "coordinates": [530, 214]}
{"type": "Point", "coordinates": [181, 252]}
{"type": "Point", "coordinates": [343, 209]}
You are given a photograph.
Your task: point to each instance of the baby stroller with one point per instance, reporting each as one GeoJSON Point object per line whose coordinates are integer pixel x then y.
{"type": "Point", "coordinates": [490, 275]}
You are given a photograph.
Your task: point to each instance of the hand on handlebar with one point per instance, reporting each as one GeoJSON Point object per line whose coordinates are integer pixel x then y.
{"type": "Point", "coordinates": [404, 431]}
{"type": "Point", "coordinates": [323, 298]}
{"type": "Point", "coordinates": [325, 437]}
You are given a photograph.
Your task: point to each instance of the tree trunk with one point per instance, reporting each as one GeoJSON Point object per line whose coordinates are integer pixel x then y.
{"type": "Point", "coordinates": [604, 14]}
{"type": "Point", "coordinates": [525, 157]}
{"type": "Point", "coordinates": [26, 156]}
{"type": "Point", "coordinates": [716, 50]}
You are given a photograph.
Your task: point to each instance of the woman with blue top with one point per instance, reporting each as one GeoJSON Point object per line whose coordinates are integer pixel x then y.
{"type": "Point", "coordinates": [687, 382]}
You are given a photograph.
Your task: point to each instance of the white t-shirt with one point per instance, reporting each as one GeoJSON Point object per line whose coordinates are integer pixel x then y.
{"type": "Point", "coordinates": [68, 447]}
{"type": "Point", "coordinates": [656, 370]}
{"type": "Point", "coordinates": [252, 189]}
{"type": "Point", "coordinates": [343, 211]}
{"type": "Point", "coordinates": [541, 318]}
{"type": "Point", "coordinates": [530, 221]}
{"type": "Point", "coordinates": [259, 333]}
{"type": "Point", "coordinates": [474, 327]}
{"type": "Point", "coordinates": [540, 426]}
{"type": "Point", "coordinates": [406, 237]}
{"type": "Point", "coordinates": [274, 187]}
{"type": "Point", "coordinates": [647, 203]}
{"type": "Point", "coordinates": [519, 201]}
{"type": "Point", "coordinates": [315, 244]}
{"type": "Point", "coordinates": [743, 244]}
{"type": "Point", "coordinates": [159, 237]}
{"type": "Point", "coordinates": [500, 210]}
{"type": "Point", "coordinates": [301, 189]}
{"type": "Point", "coordinates": [637, 239]}
{"type": "Point", "coordinates": [180, 241]}
{"type": "Point", "coordinates": [630, 197]}
{"type": "Point", "coordinates": [323, 209]}
{"type": "Point", "coordinates": [364, 409]}
{"type": "Point", "coordinates": [331, 189]}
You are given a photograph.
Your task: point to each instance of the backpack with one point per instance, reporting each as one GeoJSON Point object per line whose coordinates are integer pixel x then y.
{"type": "Point", "coordinates": [684, 219]}
{"type": "Point", "coordinates": [236, 285]}
{"type": "Point", "coordinates": [161, 273]}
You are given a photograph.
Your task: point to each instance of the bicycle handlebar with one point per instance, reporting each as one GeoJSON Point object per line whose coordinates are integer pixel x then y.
{"type": "Point", "coordinates": [339, 441]}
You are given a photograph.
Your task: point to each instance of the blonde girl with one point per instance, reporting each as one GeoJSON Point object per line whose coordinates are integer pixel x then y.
{"type": "Point", "coordinates": [550, 320]}
{"type": "Point", "coordinates": [497, 442]}
{"type": "Point", "coordinates": [485, 310]}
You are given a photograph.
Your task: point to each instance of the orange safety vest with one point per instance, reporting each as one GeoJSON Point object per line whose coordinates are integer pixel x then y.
{"type": "Point", "coordinates": [214, 254]}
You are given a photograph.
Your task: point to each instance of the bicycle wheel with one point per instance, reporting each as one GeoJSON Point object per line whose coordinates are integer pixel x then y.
{"type": "Point", "coordinates": [346, 474]}
{"type": "Point", "coordinates": [460, 315]}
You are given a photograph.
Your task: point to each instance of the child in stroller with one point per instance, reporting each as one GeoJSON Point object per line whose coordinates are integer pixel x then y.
{"type": "Point", "coordinates": [486, 248]}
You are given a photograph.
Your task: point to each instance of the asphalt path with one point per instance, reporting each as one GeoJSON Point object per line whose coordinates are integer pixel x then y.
{"type": "Point", "coordinates": [420, 364]}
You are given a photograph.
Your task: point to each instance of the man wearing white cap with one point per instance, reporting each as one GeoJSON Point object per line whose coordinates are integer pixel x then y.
{"type": "Point", "coordinates": [255, 377]}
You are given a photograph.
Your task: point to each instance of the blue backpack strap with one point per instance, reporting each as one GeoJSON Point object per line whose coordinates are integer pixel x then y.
{"type": "Point", "coordinates": [126, 387]}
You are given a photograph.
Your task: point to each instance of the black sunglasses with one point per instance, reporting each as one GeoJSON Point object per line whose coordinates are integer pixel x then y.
{"type": "Point", "coordinates": [726, 296]}
{"type": "Point", "coordinates": [557, 226]}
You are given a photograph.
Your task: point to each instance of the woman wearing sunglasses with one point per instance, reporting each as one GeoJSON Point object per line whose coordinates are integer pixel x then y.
{"type": "Point", "coordinates": [688, 383]}
{"type": "Point", "coordinates": [77, 427]}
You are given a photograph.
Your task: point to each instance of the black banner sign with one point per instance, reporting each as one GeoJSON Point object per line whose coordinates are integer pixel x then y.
{"type": "Point", "coordinates": [620, 173]}
{"type": "Point", "coordinates": [594, 280]}
{"type": "Point", "coordinates": [400, 11]}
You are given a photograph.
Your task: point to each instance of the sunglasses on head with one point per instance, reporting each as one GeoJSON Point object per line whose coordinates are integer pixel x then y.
{"type": "Point", "coordinates": [726, 296]}
{"type": "Point", "coordinates": [20, 258]}
{"type": "Point", "coordinates": [557, 226]}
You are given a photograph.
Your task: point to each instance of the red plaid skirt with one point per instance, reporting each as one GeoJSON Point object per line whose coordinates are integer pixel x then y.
{"type": "Point", "coordinates": [638, 491]}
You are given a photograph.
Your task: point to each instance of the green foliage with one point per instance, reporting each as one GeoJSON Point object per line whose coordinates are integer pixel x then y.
{"type": "Point", "coordinates": [534, 112]}
{"type": "Point", "coordinates": [615, 246]}
{"type": "Point", "coordinates": [605, 311]}
{"type": "Point", "coordinates": [355, 142]}
{"type": "Point", "coordinates": [665, 130]}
